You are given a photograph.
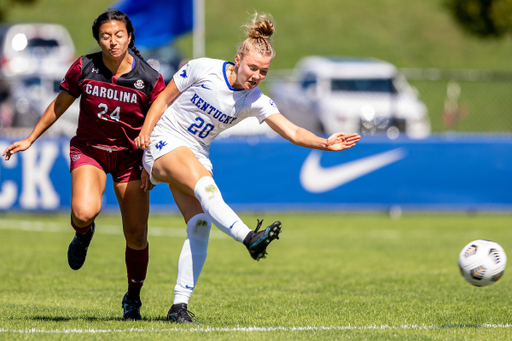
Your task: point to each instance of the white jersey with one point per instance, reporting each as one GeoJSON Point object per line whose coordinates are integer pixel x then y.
{"type": "Point", "coordinates": [208, 104]}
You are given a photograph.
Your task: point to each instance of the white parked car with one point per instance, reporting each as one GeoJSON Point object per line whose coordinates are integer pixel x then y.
{"type": "Point", "coordinates": [34, 59]}
{"type": "Point", "coordinates": [366, 96]}
{"type": "Point", "coordinates": [35, 48]}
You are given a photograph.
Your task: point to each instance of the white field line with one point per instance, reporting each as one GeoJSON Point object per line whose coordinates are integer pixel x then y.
{"type": "Point", "coordinates": [250, 329]}
{"type": "Point", "coordinates": [27, 225]}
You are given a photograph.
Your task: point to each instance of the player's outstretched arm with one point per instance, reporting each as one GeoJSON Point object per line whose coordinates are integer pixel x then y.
{"type": "Point", "coordinates": [55, 110]}
{"type": "Point", "coordinates": [302, 137]}
{"type": "Point", "coordinates": [157, 109]}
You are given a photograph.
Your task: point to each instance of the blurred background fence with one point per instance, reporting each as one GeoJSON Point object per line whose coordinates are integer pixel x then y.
{"type": "Point", "coordinates": [465, 100]}
{"type": "Point", "coordinates": [462, 101]}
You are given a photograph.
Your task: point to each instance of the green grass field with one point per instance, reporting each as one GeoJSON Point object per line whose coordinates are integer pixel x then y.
{"type": "Point", "coordinates": [330, 276]}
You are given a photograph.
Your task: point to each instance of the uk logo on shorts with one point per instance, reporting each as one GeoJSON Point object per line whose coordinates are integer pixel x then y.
{"type": "Point", "coordinates": [161, 144]}
{"type": "Point", "coordinates": [139, 84]}
{"type": "Point", "coordinates": [75, 157]}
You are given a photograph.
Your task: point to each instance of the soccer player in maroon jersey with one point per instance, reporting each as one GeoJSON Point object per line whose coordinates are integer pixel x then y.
{"type": "Point", "coordinates": [116, 89]}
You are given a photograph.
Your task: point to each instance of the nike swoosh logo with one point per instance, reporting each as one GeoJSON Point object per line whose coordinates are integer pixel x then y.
{"type": "Point", "coordinates": [204, 87]}
{"type": "Point", "coordinates": [316, 179]}
{"type": "Point", "coordinates": [186, 286]}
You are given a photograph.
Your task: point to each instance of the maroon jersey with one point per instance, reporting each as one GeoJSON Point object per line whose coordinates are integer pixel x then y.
{"type": "Point", "coordinates": [112, 109]}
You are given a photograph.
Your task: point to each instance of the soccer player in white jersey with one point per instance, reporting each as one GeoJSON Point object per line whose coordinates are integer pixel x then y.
{"type": "Point", "coordinates": [204, 98]}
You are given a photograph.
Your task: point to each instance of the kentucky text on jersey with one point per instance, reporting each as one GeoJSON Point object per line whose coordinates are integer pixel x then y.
{"type": "Point", "coordinates": [209, 109]}
{"type": "Point", "coordinates": [116, 95]}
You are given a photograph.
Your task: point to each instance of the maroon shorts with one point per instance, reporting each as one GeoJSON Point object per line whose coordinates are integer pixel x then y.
{"type": "Point", "coordinates": [123, 165]}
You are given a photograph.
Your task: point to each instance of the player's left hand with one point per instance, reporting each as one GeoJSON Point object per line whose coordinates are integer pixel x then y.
{"type": "Point", "coordinates": [146, 183]}
{"type": "Point", "coordinates": [341, 141]}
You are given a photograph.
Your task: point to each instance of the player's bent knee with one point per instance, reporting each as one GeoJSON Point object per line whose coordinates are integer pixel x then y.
{"type": "Point", "coordinates": [83, 218]}
{"type": "Point", "coordinates": [199, 227]}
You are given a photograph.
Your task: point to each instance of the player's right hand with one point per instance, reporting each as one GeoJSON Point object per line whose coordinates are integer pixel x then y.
{"type": "Point", "coordinates": [341, 141]}
{"type": "Point", "coordinates": [18, 146]}
{"type": "Point", "coordinates": [142, 141]}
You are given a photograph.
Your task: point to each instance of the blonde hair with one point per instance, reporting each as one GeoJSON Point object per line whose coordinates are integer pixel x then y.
{"type": "Point", "coordinates": [259, 32]}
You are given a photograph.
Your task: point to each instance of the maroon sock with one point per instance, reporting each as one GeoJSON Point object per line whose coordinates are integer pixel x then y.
{"type": "Point", "coordinates": [137, 267]}
{"type": "Point", "coordinates": [81, 230]}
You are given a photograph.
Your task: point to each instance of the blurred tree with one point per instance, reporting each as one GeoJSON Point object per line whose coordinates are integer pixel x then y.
{"type": "Point", "coordinates": [483, 18]}
{"type": "Point", "coordinates": [6, 5]}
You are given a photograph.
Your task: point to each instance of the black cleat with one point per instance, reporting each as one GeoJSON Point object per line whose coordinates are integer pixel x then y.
{"type": "Point", "coordinates": [257, 242]}
{"type": "Point", "coordinates": [77, 250]}
{"type": "Point", "coordinates": [179, 314]}
{"type": "Point", "coordinates": [131, 308]}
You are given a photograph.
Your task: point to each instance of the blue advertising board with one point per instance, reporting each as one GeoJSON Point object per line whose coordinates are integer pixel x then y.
{"type": "Point", "coordinates": [470, 173]}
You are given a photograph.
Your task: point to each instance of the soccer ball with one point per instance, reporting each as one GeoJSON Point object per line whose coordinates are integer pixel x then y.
{"type": "Point", "coordinates": [482, 262]}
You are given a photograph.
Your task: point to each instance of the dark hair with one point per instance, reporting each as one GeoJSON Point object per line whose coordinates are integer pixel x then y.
{"type": "Point", "coordinates": [116, 15]}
